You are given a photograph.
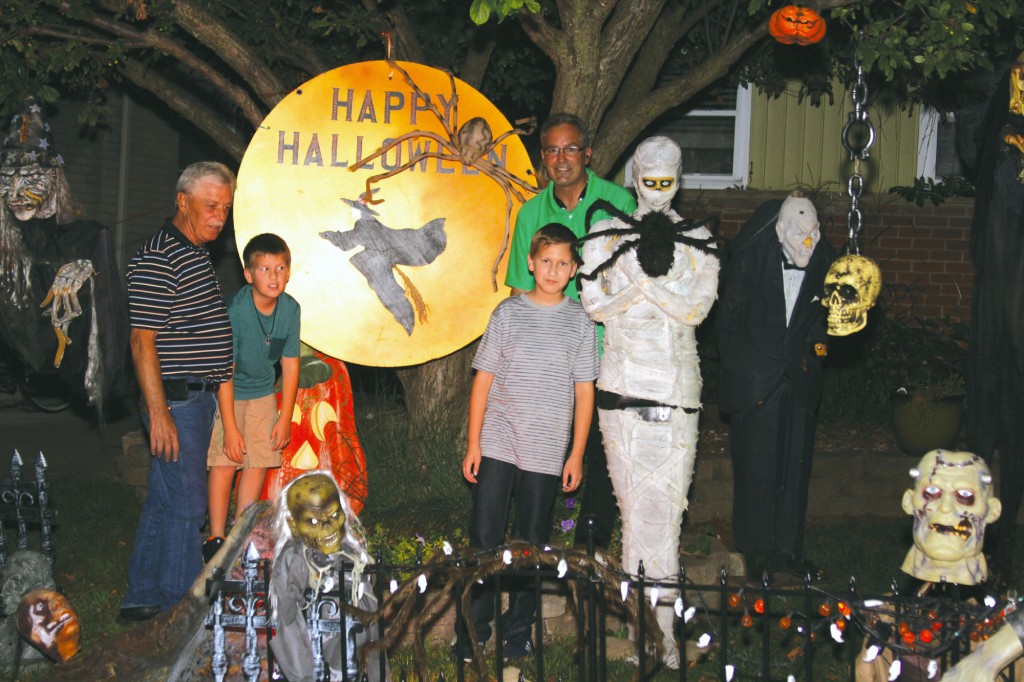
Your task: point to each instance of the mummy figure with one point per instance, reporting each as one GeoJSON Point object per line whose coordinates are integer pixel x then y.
{"type": "Point", "coordinates": [651, 278]}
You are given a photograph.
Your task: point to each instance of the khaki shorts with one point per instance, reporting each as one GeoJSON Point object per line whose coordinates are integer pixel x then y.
{"type": "Point", "coordinates": [255, 419]}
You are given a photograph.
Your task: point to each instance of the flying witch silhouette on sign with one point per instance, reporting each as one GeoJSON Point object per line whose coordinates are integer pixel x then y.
{"type": "Point", "coordinates": [384, 249]}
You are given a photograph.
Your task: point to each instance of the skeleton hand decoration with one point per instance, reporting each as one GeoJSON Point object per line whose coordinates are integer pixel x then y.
{"type": "Point", "coordinates": [63, 300]}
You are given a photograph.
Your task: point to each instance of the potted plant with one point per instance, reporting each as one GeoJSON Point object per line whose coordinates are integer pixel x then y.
{"type": "Point", "coordinates": [921, 362]}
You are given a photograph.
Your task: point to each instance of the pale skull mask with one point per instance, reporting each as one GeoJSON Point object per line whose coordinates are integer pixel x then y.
{"type": "Point", "coordinates": [316, 516]}
{"type": "Point", "coordinates": [29, 192]}
{"type": "Point", "coordinates": [798, 229]}
{"type": "Point", "coordinates": [851, 287]}
{"type": "Point", "coordinates": [951, 503]}
{"type": "Point", "coordinates": [657, 167]}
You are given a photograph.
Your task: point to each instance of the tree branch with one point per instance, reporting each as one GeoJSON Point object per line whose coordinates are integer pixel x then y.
{"type": "Point", "coordinates": [253, 113]}
{"type": "Point", "coordinates": [544, 35]}
{"type": "Point", "coordinates": [479, 48]}
{"type": "Point", "coordinates": [185, 103]}
{"type": "Point", "coordinates": [626, 121]}
{"type": "Point", "coordinates": [621, 39]}
{"type": "Point", "coordinates": [211, 32]}
{"type": "Point", "coordinates": [405, 45]}
{"type": "Point", "coordinates": [78, 38]}
{"type": "Point", "coordinates": [643, 74]}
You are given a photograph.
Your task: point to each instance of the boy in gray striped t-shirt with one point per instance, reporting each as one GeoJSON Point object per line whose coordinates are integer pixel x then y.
{"type": "Point", "coordinates": [534, 389]}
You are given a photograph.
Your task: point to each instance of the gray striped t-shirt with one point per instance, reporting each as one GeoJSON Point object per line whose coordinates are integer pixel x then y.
{"type": "Point", "coordinates": [537, 354]}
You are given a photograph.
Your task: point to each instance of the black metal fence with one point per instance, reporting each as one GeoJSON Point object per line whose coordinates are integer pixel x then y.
{"type": "Point", "coordinates": [739, 630]}
{"type": "Point", "coordinates": [26, 500]}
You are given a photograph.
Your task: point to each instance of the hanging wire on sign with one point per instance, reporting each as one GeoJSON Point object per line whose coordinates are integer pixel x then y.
{"type": "Point", "coordinates": [853, 282]}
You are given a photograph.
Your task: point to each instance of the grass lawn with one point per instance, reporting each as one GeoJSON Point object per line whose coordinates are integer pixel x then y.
{"type": "Point", "coordinates": [97, 521]}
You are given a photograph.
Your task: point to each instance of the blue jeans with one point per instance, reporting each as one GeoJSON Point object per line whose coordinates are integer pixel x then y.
{"type": "Point", "coordinates": [166, 558]}
{"type": "Point", "coordinates": [499, 484]}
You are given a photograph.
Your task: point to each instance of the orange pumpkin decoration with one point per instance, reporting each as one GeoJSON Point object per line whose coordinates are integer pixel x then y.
{"type": "Point", "coordinates": [323, 431]}
{"type": "Point", "coordinates": [794, 24]}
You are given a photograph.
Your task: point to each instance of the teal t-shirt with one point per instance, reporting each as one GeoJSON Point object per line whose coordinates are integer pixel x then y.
{"type": "Point", "coordinates": [542, 210]}
{"type": "Point", "coordinates": [255, 357]}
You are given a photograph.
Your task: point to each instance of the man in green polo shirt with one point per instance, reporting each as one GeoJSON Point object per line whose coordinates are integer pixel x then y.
{"type": "Point", "coordinates": [571, 190]}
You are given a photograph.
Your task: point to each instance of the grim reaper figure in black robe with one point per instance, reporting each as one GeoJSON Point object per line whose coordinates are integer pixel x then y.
{"type": "Point", "coordinates": [996, 351]}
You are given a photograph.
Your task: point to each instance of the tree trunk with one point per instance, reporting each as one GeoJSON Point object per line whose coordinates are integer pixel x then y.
{"type": "Point", "coordinates": [437, 402]}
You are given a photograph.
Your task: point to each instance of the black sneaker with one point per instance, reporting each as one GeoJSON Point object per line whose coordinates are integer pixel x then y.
{"type": "Point", "coordinates": [516, 651]}
{"type": "Point", "coordinates": [210, 548]}
{"type": "Point", "coordinates": [137, 614]}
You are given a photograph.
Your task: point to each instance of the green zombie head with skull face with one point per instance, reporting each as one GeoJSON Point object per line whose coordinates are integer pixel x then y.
{"type": "Point", "coordinates": [315, 513]}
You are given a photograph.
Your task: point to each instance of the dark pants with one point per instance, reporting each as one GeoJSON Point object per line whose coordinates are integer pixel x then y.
{"type": "Point", "coordinates": [598, 497]}
{"type": "Point", "coordinates": [771, 462]}
{"type": "Point", "coordinates": [498, 484]}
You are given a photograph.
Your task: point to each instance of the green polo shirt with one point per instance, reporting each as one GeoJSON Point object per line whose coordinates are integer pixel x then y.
{"type": "Point", "coordinates": [544, 209]}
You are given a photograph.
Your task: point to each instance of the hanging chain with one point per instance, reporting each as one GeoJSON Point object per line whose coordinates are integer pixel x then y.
{"type": "Point", "coordinates": [858, 135]}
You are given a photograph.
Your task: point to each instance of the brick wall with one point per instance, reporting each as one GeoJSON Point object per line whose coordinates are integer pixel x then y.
{"type": "Point", "coordinates": [923, 251]}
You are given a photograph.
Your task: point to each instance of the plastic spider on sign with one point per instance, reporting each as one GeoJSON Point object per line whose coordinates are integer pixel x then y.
{"type": "Point", "coordinates": [470, 145]}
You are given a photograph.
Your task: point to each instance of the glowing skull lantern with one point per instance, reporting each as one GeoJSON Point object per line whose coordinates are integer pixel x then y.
{"type": "Point", "coordinates": [851, 287]}
{"type": "Point", "coordinates": [323, 431]}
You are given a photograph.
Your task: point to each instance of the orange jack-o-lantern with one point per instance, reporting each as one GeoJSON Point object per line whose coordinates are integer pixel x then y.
{"type": "Point", "coordinates": [323, 431]}
{"type": "Point", "coordinates": [794, 24]}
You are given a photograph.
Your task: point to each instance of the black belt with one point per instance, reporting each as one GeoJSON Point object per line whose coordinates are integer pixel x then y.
{"type": "Point", "coordinates": [606, 400]}
{"type": "Point", "coordinates": [175, 385]}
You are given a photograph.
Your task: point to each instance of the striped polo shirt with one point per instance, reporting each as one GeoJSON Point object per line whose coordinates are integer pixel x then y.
{"type": "Point", "coordinates": [172, 289]}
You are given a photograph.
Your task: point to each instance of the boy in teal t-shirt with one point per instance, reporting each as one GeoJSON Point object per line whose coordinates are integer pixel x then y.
{"type": "Point", "coordinates": [248, 433]}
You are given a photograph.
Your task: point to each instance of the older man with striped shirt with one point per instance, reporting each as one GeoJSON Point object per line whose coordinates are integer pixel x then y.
{"type": "Point", "coordinates": [181, 344]}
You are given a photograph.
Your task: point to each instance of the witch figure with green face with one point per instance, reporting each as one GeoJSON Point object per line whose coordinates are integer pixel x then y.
{"type": "Point", "coordinates": [316, 531]}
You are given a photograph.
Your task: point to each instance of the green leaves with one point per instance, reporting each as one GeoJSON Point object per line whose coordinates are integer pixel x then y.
{"type": "Point", "coordinates": [920, 40]}
{"type": "Point", "coordinates": [480, 11]}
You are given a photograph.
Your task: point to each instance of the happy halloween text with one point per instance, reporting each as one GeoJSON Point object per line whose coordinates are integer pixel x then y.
{"type": "Point", "coordinates": [302, 148]}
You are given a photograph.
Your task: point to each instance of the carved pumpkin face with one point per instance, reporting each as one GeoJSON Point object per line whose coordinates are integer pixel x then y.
{"type": "Point", "coordinates": [794, 24]}
{"type": "Point", "coordinates": [323, 431]}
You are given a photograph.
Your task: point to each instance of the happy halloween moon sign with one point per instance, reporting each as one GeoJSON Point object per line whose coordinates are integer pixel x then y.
{"type": "Point", "coordinates": [405, 280]}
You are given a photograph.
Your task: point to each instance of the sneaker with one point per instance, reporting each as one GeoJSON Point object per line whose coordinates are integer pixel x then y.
{"type": "Point", "coordinates": [211, 547]}
{"type": "Point", "coordinates": [464, 650]}
{"type": "Point", "coordinates": [515, 651]}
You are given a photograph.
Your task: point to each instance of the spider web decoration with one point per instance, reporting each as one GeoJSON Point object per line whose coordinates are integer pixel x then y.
{"type": "Point", "coordinates": [472, 145]}
{"type": "Point", "coordinates": [655, 235]}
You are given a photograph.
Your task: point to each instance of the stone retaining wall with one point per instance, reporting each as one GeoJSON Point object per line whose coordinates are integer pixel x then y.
{"type": "Point", "coordinates": [844, 482]}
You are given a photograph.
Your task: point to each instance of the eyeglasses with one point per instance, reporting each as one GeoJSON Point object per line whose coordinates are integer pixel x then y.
{"type": "Point", "coordinates": [568, 150]}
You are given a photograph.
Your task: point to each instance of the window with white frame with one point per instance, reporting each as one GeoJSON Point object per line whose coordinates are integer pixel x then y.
{"type": "Point", "coordinates": [937, 155]}
{"type": "Point", "coordinates": [714, 135]}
